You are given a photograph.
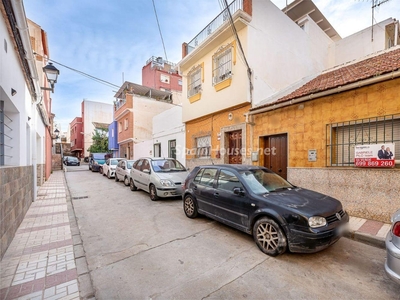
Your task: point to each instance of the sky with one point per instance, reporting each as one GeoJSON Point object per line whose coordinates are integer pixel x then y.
{"type": "Point", "coordinates": [112, 40]}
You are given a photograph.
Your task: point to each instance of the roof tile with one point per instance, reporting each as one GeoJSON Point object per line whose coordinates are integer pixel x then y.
{"type": "Point", "coordinates": [368, 68]}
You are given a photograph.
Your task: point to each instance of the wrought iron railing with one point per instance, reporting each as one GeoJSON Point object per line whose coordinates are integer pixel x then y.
{"type": "Point", "coordinates": [214, 25]}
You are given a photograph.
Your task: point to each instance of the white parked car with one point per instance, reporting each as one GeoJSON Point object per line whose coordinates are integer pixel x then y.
{"type": "Point", "coordinates": [160, 177]}
{"type": "Point", "coordinates": [109, 167]}
{"type": "Point", "coordinates": [123, 171]}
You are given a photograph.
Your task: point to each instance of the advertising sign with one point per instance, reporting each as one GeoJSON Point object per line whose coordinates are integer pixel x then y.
{"type": "Point", "coordinates": [374, 156]}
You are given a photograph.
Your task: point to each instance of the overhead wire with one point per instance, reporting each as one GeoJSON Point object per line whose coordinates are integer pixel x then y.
{"type": "Point", "coordinates": [241, 51]}
{"type": "Point", "coordinates": [159, 29]}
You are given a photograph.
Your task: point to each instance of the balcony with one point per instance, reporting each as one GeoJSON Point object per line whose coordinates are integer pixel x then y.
{"type": "Point", "coordinates": [214, 25]}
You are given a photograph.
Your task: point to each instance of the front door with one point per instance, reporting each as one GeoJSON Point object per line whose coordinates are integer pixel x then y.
{"type": "Point", "coordinates": [275, 151]}
{"type": "Point", "coordinates": [235, 146]}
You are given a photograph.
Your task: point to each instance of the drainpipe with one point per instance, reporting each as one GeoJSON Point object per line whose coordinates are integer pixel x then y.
{"type": "Point", "coordinates": [339, 89]}
{"type": "Point", "coordinates": [22, 25]}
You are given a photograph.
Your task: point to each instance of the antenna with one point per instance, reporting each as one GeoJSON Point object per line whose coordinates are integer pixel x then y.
{"type": "Point", "coordinates": [375, 3]}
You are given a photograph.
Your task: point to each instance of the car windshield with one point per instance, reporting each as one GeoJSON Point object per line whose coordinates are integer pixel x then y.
{"type": "Point", "coordinates": [167, 165]}
{"type": "Point", "coordinates": [113, 162]}
{"type": "Point", "coordinates": [129, 164]}
{"type": "Point", "coordinates": [262, 181]}
{"type": "Point", "coordinates": [72, 158]}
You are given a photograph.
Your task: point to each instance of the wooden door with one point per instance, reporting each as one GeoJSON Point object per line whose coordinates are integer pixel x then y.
{"type": "Point", "coordinates": [235, 146]}
{"type": "Point", "coordinates": [275, 154]}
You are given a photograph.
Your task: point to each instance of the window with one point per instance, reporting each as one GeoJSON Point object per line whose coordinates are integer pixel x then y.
{"type": "Point", "coordinates": [172, 149]}
{"type": "Point", "coordinates": [119, 126]}
{"type": "Point", "coordinates": [203, 146]}
{"type": "Point", "coordinates": [208, 177]}
{"type": "Point", "coordinates": [126, 123]}
{"type": "Point", "coordinates": [194, 81]}
{"type": "Point", "coordinates": [342, 137]}
{"type": "Point", "coordinates": [157, 150]}
{"type": "Point", "coordinates": [228, 181]}
{"type": "Point", "coordinates": [222, 64]}
{"type": "Point", "coordinates": [164, 78]}
{"type": "Point", "coordinates": [180, 81]}
{"type": "Point", "coordinates": [112, 132]}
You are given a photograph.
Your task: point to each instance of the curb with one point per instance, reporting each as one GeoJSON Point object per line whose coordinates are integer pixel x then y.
{"type": "Point", "coordinates": [366, 239]}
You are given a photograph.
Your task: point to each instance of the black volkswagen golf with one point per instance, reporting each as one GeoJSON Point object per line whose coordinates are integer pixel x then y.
{"type": "Point", "coordinates": [253, 199]}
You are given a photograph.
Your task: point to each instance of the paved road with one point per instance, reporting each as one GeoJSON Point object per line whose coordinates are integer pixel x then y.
{"type": "Point", "coordinates": [139, 249]}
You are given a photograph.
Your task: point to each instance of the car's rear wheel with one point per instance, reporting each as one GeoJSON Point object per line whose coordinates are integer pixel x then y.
{"type": "Point", "coordinates": [190, 207]}
{"type": "Point", "coordinates": [116, 177]}
{"type": "Point", "coordinates": [126, 180]}
{"type": "Point", "coordinates": [101, 171]}
{"type": "Point", "coordinates": [153, 193]}
{"type": "Point", "coordinates": [269, 237]}
{"type": "Point", "coordinates": [132, 185]}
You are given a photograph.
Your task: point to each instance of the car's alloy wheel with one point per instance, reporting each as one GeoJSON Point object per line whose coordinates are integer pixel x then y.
{"type": "Point", "coordinates": [126, 181]}
{"type": "Point", "coordinates": [189, 207]}
{"type": "Point", "coordinates": [132, 186]}
{"type": "Point", "coordinates": [153, 193]}
{"type": "Point", "coordinates": [269, 237]}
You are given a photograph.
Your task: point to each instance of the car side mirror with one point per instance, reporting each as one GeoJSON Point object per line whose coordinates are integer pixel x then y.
{"type": "Point", "coordinates": [238, 191]}
{"type": "Point", "coordinates": [123, 168]}
{"type": "Point", "coordinates": [146, 171]}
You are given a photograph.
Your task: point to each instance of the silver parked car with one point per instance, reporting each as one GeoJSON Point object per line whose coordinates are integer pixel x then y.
{"type": "Point", "coordinates": [160, 177]}
{"type": "Point", "coordinates": [123, 171]}
{"type": "Point", "coordinates": [392, 264]}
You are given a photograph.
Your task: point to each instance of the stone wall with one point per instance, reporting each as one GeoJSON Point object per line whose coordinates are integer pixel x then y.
{"type": "Point", "coordinates": [365, 193]}
{"type": "Point", "coordinates": [16, 196]}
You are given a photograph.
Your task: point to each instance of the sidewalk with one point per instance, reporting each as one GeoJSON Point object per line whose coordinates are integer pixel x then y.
{"type": "Point", "coordinates": [40, 262]}
{"type": "Point", "coordinates": [46, 259]}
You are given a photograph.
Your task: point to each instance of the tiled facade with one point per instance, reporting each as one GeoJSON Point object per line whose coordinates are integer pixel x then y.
{"type": "Point", "coordinates": [16, 196]}
{"type": "Point", "coordinates": [217, 125]}
{"type": "Point", "coordinates": [305, 126]}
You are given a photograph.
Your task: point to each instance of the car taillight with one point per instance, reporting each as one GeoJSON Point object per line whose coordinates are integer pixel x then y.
{"type": "Point", "coordinates": [396, 229]}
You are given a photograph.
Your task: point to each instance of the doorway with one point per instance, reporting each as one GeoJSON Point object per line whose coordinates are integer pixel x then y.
{"type": "Point", "coordinates": [275, 154]}
{"type": "Point", "coordinates": [235, 147]}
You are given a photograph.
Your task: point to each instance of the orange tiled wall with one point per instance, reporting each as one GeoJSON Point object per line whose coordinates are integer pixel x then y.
{"type": "Point", "coordinates": [305, 123]}
{"type": "Point", "coordinates": [211, 125]}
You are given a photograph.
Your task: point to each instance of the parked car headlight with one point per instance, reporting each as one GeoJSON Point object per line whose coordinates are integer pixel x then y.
{"type": "Point", "coordinates": [315, 222]}
{"type": "Point", "coordinates": [166, 182]}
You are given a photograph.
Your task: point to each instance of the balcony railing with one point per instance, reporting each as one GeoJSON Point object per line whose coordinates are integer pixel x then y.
{"type": "Point", "coordinates": [214, 25]}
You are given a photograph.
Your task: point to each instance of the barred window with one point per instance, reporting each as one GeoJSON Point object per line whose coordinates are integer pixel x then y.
{"type": "Point", "coordinates": [194, 81]}
{"type": "Point", "coordinates": [222, 65]}
{"type": "Point", "coordinates": [203, 146]}
{"type": "Point", "coordinates": [343, 137]}
{"type": "Point", "coordinates": [172, 149]}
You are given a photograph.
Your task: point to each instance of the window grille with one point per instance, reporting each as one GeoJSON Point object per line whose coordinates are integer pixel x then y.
{"type": "Point", "coordinates": [344, 136]}
{"type": "Point", "coordinates": [194, 82]}
{"type": "Point", "coordinates": [222, 65]}
{"type": "Point", "coordinates": [5, 138]}
{"type": "Point", "coordinates": [203, 146]}
{"type": "Point", "coordinates": [172, 149]}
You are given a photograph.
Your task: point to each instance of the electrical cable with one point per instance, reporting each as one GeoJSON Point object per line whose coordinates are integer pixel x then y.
{"type": "Point", "coordinates": [159, 29]}
{"type": "Point", "coordinates": [80, 72]}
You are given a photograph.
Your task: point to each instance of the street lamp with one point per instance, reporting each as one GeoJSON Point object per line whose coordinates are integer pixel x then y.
{"type": "Point", "coordinates": [56, 132]}
{"type": "Point", "coordinates": [51, 74]}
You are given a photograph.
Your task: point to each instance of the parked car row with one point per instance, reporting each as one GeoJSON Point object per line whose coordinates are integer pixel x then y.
{"type": "Point", "coordinates": [253, 199]}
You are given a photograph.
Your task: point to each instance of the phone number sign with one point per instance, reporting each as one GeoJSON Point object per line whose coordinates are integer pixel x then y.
{"type": "Point", "coordinates": [374, 156]}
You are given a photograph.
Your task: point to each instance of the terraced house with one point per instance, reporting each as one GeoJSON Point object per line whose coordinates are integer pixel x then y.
{"type": "Point", "coordinates": [282, 89]}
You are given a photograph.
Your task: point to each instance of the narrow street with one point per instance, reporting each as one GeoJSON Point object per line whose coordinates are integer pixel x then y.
{"type": "Point", "coordinates": [139, 249]}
